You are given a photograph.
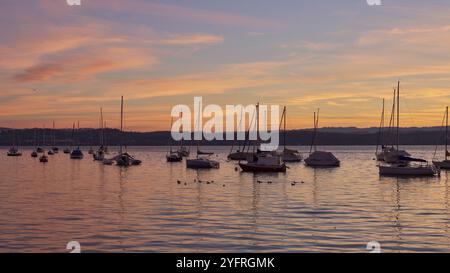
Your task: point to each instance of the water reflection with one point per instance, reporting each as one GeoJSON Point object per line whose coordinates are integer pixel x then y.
{"type": "Point", "coordinates": [43, 206]}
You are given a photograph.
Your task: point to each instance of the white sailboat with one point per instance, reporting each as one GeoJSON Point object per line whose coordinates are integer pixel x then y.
{"type": "Point", "coordinates": [34, 154]}
{"type": "Point", "coordinates": [14, 150]}
{"type": "Point", "coordinates": [202, 160]}
{"type": "Point", "coordinates": [173, 156]}
{"type": "Point", "coordinates": [320, 159]}
{"type": "Point", "coordinates": [76, 153]}
{"type": "Point", "coordinates": [404, 165]}
{"type": "Point", "coordinates": [54, 148]}
{"type": "Point", "coordinates": [43, 158]}
{"type": "Point", "coordinates": [288, 155]}
{"type": "Point", "coordinates": [183, 150]}
{"type": "Point", "coordinates": [259, 161]}
{"type": "Point", "coordinates": [99, 155]}
{"type": "Point", "coordinates": [389, 153]}
{"type": "Point", "coordinates": [123, 159]}
{"type": "Point", "coordinates": [445, 164]}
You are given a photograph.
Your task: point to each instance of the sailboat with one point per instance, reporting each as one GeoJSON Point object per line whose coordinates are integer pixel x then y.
{"type": "Point", "coordinates": [320, 158]}
{"type": "Point", "coordinates": [445, 164]}
{"type": "Point", "coordinates": [123, 159]}
{"type": "Point", "coordinates": [389, 153]}
{"type": "Point", "coordinates": [34, 153]}
{"type": "Point", "coordinates": [14, 150]}
{"type": "Point", "coordinates": [67, 149]}
{"type": "Point", "coordinates": [288, 155]}
{"type": "Point", "coordinates": [183, 150]}
{"type": "Point", "coordinates": [201, 161]}
{"type": "Point", "coordinates": [54, 148]}
{"type": "Point", "coordinates": [76, 153]}
{"type": "Point", "coordinates": [262, 161]}
{"type": "Point", "coordinates": [239, 153]}
{"type": "Point", "coordinates": [43, 158]}
{"type": "Point", "coordinates": [99, 155]}
{"type": "Point", "coordinates": [173, 156]}
{"type": "Point", "coordinates": [404, 165]}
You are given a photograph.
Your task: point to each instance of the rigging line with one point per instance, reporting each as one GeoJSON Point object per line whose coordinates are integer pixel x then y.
{"type": "Point", "coordinates": [439, 138]}
{"type": "Point", "coordinates": [236, 130]}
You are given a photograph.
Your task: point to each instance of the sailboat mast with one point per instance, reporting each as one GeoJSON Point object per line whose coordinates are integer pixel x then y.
{"type": "Point", "coordinates": [102, 127]}
{"type": "Point", "coordinates": [181, 131]}
{"type": "Point", "coordinates": [446, 134]}
{"type": "Point", "coordinates": [398, 115]}
{"type": "Point", "coordinates": [380, 133]}
{"type": "Point", "coordinates": [314, 135]}
{"type": "Point", "coordinates": [121, 125]}
{"type": "Point", "coordinates": [284, 116]}
{"type": "Point", "coordinates": [257, 128]}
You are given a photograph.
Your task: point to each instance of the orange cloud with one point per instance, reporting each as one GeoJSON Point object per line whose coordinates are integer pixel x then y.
{"type": "Point", "coordinates": [192, 39]}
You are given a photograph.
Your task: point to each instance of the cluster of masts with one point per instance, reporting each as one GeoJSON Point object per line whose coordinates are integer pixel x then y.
{"type": "Point", "coordinates": [395, 161]}
{"type": "Point", "coordinates": [392, 160]}
{"type": "Point", "coordinates": [251, 158]}
{"type": "Point", "coordinates": [123, 158]}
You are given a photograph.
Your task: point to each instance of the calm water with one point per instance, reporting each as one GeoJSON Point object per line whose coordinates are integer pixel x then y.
{"type": "Point", "coordinates": [108, 209]}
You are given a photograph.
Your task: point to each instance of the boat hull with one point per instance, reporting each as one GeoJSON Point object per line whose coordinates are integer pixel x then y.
{"type": "Point", "coordinates": [322, 164]}
{"type": "Point", "coordinates": [292, 158]}
{"type": "Point", "coordinates": [239, 156]}
{"type": "Point", "coordinates": [174, 159]}
{"type": "Point", "coordinates": [408, 171]}
{"type": "Point", "coordinates": [445, 165]}
{"type": "Point", "coordinates": [202, 164]}
{"type": "Point", "coordinates": [254, 167]}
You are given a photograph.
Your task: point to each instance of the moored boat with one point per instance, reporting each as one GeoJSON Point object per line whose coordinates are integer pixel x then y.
{"type": "Point", "coordinates": [320, 159]}
{"type": "Point", "coordinates": [444, 164]}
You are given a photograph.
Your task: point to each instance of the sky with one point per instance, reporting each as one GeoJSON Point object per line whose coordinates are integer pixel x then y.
{"type": "Point", "coordinates": [62, 63]}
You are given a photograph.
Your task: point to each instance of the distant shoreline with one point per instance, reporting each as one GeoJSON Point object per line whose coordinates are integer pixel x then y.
{"type": "Point", "coordinates": [303, 137]}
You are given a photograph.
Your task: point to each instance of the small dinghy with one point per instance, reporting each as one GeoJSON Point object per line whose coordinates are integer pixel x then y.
{"type": "Point", "coordinates": [66, 150]}
{"type": "Point", "coordinates": [34, 154]}
{"type": "Point", "coordinates": [50, 152]}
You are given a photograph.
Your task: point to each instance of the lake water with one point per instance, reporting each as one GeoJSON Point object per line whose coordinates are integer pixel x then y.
{"type": "Point", "coordinates": [144, 209]}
